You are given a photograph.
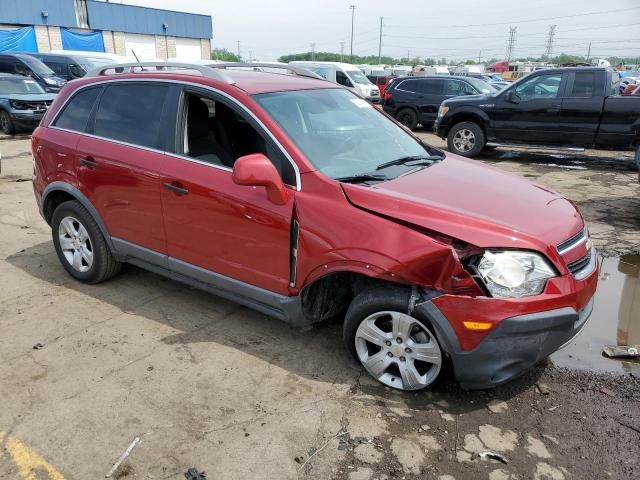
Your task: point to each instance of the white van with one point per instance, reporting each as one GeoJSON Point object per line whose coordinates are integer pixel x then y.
{"type": "Point", "coordinates": [344, 74]}
{"type": "Point", "coordinates": [465, 69]}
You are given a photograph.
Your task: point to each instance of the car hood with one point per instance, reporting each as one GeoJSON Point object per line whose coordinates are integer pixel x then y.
{"type": "Point", "coordinates": [29, 97]}
{"type": "Point", "coordinates": [476, 203]}
{"type": "Point", "coordinates": [471, 100]}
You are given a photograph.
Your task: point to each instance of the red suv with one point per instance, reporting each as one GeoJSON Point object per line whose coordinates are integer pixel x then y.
{"type": "Point", "coordinates": [296, 197]}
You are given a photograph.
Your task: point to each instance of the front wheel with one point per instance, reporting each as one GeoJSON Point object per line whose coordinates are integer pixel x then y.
{"type": "Point", "coordinates": [6, 124]}
{"type": "Point", "coordinates": [397, 349]}
{"type": "Point", "coordinates": [466, 139]}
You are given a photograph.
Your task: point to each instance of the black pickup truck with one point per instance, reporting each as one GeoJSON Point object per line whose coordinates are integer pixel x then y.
{"type": "Point", "coordinates": [557, 107]}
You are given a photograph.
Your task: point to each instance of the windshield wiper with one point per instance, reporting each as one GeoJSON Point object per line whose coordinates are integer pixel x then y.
{"type": "Point", "coordinates": [362, 178]}
{"type": "Point", "coordinates": [412, 161]}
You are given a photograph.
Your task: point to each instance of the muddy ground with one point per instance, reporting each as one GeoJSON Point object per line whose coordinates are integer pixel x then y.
{"type": "Point", "coordinates": [205, 383]}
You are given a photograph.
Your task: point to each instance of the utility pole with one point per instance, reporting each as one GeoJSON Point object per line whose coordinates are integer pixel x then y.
{"type": "Point", "coordinates": [342, 51]}
{"type": "Point", "coordinates": [239, 50]}
{"type": "Point", "coordinates": [512, 42]}
{"type": "Point", "coordinates": [551, 35]}
{"type": "Point", "coordinates": [479, 56]}
{"type": "Point", "coordinates": [353, 12]}
{"type": "Point", "coordinates": [408, 57]}
{"type": "Point", "coordinates": [313, 51]}
{"type": "Point", "coordinates": [250, 56]}
{"type": "Point", "coordinates": [380, 44]}
{"type": "Point", "coordinates": [589, 52]}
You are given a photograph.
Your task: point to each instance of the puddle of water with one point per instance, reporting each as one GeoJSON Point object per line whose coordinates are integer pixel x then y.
{"type": "Point", "coordinates": [615, 321]}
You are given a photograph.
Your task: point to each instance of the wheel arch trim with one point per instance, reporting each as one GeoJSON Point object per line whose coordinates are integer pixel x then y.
{"type": "Point", "coordinates": [59, 186]}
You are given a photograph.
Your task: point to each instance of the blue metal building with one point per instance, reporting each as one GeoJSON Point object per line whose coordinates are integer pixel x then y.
{"type": "Point", "coordinates": [46, 25]}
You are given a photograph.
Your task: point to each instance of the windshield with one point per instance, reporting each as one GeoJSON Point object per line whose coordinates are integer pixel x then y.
{"type": "Point", "coordinates": [342, 134]}
{"type": "Point", "coordinates": [12, 86]}
{"type": "Point", "coordinates": [358, 77]}
{"type": "Point", "coordinates": [481, 85]}
{"type": "Point", "coordinates": [37, 66]}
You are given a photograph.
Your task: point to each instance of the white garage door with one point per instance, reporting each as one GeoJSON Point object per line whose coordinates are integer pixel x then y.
{"type": "Point", "coordinates": [143, 45]}
{"type": "Point", "coordinates": [188, 49]}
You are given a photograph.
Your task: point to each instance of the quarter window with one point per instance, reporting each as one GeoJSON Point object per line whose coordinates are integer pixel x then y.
{"type": "Point", "coordinates": [76, 114]}
{"type": "Point", "coordinates": [131, 113]}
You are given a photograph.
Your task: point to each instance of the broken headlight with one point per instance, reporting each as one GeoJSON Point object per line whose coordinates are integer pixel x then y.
{"type": "Point", "coordinates": [513, 274]}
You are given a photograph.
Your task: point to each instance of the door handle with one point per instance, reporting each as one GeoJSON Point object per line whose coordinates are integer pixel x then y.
{"type": "Point", "coordinates": [88, 162]}
{"type": "Point", "coordinates": [553, 108]}
{"type": "Point", "coordinates": [176, 188]}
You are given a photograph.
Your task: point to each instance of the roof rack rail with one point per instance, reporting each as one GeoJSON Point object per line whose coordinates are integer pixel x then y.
{"type": "Point", "coordinates": [300, 71]}
{"type": "Point", "coordinates": [204, 70]}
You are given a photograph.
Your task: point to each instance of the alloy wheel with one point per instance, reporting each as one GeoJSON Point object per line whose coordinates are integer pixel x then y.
{"type": "Point", "coordinates": [75, 244]}
{"type": "Point", "coordinates": [464, 140]}
{"type": "Point", "coordinates": [398, 350]}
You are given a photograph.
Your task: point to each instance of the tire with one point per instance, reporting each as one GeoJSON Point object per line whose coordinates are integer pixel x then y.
{"type": "Point", "coordinates": [85, 256]}
{"type": "Point", "coordinates": [408, 118]}
{"type": "Point", "coordinates": [386, 341]}
{"type": "Point", "coordinates": [6, 124]}
{"type": "Point", "coordinates": [466, 139]}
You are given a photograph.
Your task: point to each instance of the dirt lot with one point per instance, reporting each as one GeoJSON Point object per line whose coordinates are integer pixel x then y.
{"type": "Point", "coordinates": [205, 383]}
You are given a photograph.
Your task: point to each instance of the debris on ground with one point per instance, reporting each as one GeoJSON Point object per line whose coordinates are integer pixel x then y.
{"type": "Point", "coordinates": [497, 406]}
{"type": "Point", "coordinates": [123, 457]}
{"type": "Point", "coordinates": [607, 391]}
{"type": "Point", "coordinates": [194, 474]}
{"type": "Point", "coordinates": [488, 455]}
{"type": "Point", "coordinates": [613, 351]}
{"type": "Point", "coordinates": [543, 388]}
{"type": "Point", "coordinates": [38, 346]}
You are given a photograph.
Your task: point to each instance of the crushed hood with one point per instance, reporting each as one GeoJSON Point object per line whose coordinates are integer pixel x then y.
{"type": "Point", "coordinates": [473, 202]}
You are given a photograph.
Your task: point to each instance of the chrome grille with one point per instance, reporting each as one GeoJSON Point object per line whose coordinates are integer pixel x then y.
{"type": "Point", "coordinates": [573, 242]}
{"type": "Point", "coordinates": [580, 264]}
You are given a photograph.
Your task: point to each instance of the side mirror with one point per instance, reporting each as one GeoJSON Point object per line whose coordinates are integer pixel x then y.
{"type": "Point", "coordinates": [256, 170]}
{"type": "Point", "coordinates": [512, 97]}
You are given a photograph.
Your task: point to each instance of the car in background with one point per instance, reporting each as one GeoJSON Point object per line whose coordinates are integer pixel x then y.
{"type": "Point", "coordinates": [416, 100]}
{"type": "Point", "coordinates": [23, 102]}
{"type": "Point", "coordinates": [344, 74]}
{"type": "Point", "coordinates": [380, 81]}
{"type": "Point", "coordinates": [633, 89]}
{"type": "Point", "coordinates": [70, 67]}
{"type": "Point", "coordinates": [26, 65]}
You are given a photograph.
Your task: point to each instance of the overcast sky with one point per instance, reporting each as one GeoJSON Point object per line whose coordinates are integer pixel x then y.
{"type": "Point", "coordinates": [455, 29]}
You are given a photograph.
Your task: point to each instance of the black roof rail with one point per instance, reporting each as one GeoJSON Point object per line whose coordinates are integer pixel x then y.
{"type": "Point", "coordinates": [300, 71]}
{"type": "Point", "coordinates": [120, 68]}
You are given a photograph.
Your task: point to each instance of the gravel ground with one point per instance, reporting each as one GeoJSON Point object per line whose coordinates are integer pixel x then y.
{"type": "Point", "coordinates": [208, 384]}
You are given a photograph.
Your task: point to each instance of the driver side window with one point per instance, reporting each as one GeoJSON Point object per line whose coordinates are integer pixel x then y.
{"type": "Point", "coordinates": [217, 134]}
{"type": "Point", "coordinates": [342, 79]}
{"type": "Point", "coordinates": [542, 86]}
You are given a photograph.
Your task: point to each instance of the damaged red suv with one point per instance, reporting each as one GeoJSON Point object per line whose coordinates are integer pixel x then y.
{"type": "Point", "coordinates": [293, 196]}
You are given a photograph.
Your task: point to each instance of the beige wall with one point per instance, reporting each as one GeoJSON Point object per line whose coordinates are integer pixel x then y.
{"type": "Point", "coordinates": [48, 38]}
{"type": "Point", "coordinates": [165, 46]}
{"type": "Point", "coordinates": [205, 45]}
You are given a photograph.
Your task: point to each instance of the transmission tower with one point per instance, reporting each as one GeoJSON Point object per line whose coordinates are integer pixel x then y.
{"type": "Point", "coordinates": [512, 42]}
{"type": "Point", "coordinates": [550, 37]}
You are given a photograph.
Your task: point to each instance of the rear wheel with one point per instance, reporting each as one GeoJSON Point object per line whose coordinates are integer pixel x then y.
{"type": "Point", "coordinates": [466, 139]}
{"type": "Point", "coordinates": [80, 245]}
{"type": "Point", "coordinates": [399, 350]}
{"type": "Point", "coordinates": [6, 124]}
{"type": "Point", "coordinates": [408, 118]}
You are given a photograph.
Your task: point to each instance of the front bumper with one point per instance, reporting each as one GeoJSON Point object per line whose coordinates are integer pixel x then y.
{"type": "Point", "coordinates": [517, 344]}
{"type": "Point", "coordinates": [526, 330]}
{"type": "Point", "coordinates": [26, 120]}
{"type": "Point", "coordinates": [439, 129]}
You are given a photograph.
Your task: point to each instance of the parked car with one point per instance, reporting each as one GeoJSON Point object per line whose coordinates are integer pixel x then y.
{"type": "Point", "coordinates": [445, 263]}
{"type": "Point", "coordinates": [415, 100]}
{"type": "Point", "coordinates": [344, 74]}
{"type": "Point", "coordinates": [70, 67]}
{"type": "Point", "coordinates": [26, 65]}
{"type": "Point", "coordinates": [381, 82]}
{"type": "Point", "coordinates": [633, 89]}
{"type": "Point", "coordinates": [22, 103]}
{"type": "Point", "coordinates": [558, 107]}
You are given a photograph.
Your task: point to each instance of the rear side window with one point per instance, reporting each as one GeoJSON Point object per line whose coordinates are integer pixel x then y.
{"type": "Point", "coordinates": [584, 85]}
{"type": "Point", "coordinates": [131, 113]}
{"type": "Point", "coordinates": [76, 114]}
{"type": "Point", "coordinates": [426, 87]}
